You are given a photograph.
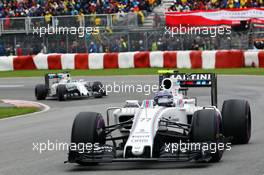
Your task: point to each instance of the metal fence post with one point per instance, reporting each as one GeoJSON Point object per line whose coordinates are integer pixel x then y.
{"type": "Point", "coordinates": [46, 43]}
{"type": "Point", "coordinates": [128, 42]}
{"type": "Point", "coordinates": [27, 23]}
{"type": "Point", "coordinates": [109, 21]}
{"type": "Point", "coordinates": [54, 22]}
{"type": "Point", "coordinates": [67, 43]}
{"type": "Point", "coordinates": [1, 26]}
{"type": "Point", "coordinates": [136, 19]}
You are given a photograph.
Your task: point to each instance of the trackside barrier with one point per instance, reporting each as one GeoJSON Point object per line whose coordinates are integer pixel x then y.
{"type": "Point", "coordinates": [162, 59]}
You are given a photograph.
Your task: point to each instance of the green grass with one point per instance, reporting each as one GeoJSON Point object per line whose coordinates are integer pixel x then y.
{"type": "Point", "coordinates": [136, 71]}
{"type": "Point", "coordinates": [6, 112]}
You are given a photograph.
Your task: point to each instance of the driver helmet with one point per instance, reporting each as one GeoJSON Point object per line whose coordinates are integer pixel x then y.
{"type": "Point", "coordinates": [164, 98]}
{"type": "Point", "coordinates": [65, 78]}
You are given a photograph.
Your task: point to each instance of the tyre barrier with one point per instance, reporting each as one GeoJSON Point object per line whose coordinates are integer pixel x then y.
{"type": "Point", "coordinates": [162, 59]}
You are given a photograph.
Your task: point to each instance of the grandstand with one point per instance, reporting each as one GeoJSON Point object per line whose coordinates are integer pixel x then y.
{"type": "Point", "coordinates": [123, 25]}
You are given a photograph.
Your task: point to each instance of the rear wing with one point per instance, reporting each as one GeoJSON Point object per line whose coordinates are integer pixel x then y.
{"type": "Point", "coordinates": [54, 76]}
{"type": "Point", "coordinates": [168, 78]}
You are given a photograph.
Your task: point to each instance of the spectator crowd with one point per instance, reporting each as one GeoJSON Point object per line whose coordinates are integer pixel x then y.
{"type": "Point", "coordinates": [23, 8]}
{"type": "Point", "coordinates": [119, 43]}
{"type": "Point", "coordinates": [188, 5]}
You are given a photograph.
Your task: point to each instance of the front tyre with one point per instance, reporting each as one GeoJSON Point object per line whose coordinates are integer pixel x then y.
{"type": "Point", "coordinates": [61, 92]}
{"type": "Point", "coordinates": [88, 128]}
{"type": "Point", "coordinates": [41, 92]}
{"type": "Point", "coordinates": [206, 128]}
{"type": "Point", "coordinates": [237, 120]}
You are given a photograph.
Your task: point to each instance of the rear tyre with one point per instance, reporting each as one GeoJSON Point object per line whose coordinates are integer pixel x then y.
{"type": "Point", "coordinates": [61, 92]}
{"type": "Point", "coordinates": [206, 128]}
{"type": "Point", "coordinates": [88, 127]}
{"type": "Point", "coordinates": [41, 92]}
{"type": "Point", "coordinates": [237, 120]}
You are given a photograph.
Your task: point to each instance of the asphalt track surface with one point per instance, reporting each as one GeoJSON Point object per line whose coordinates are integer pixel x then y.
{"type": "Point", "coordinates": [17, 135]}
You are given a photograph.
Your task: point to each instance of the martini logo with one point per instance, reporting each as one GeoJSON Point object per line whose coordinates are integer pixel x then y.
{"type": "Point", "coordinates": [193, 77]}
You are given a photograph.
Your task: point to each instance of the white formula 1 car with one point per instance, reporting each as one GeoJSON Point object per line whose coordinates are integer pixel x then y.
{"type": "Point", "coordinates": [157, 129]}
{"type": "Point", "coordinates": [61, 86]}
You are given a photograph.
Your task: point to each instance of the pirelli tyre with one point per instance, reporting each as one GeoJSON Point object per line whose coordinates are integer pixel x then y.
{"type": "Point", "coordinates": [61, 92]}
{"type": "Point", "coordinates": [236, 116]}
{"type": "Point", "coordinates": [41, 92]}
{"type": "Point", "coordinates": [88, 128]}
{"type": "Point", "coordinates": [206, 128]}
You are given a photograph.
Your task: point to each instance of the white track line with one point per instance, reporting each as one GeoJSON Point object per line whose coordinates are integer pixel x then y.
{"type": "Point", "coordinates": [10, 86]}
{"type": "Point", "coordinates": [46, 108]}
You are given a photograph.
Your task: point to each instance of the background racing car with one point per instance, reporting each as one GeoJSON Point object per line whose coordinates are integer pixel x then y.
{"type": "Point", "coordinates": [143, 132]}
{"type": "Point", "coordinates": [61, 85]}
